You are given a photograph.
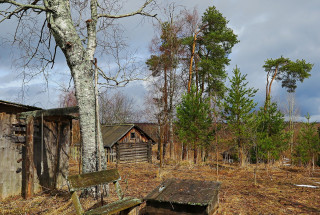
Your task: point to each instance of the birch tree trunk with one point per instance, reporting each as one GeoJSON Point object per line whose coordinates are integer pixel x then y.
{"type": "Point", "coordinates": [79, 61]}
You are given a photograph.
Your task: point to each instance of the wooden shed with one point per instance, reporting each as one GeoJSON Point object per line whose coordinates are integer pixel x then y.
{"type": "Point", "coordinates": [11, 147]}
{"type": "Point", "coordinates": [34, 147]}
{"type": "Point", "coordinates": [126, 143]}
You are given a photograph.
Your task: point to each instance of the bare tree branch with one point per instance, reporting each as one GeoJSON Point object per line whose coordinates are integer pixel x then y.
{"type": "Point", "coordinates": [21, 7]}
{"type": "Point", "coordinates": [137, 12]}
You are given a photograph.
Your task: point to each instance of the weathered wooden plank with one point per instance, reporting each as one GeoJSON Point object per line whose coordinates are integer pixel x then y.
{"type": "Point", "coordinates": [128, 157]}
{"type": "Point", "coordinates": [133, 152]}
{"type": "Point", "coordinates": [136, 147]}
{"type": "Point", "coordinates": [115, 207]}
{"type": "Point", "coordinates": [130, 145]}
{"type": "Point", "coordinates": [77, 204]}
{"type": "Point", "coordinates": [133, 161]}
{"type": "Point", "coordinates": [28, 182]}
{"type": "Point", "coordinates": [20, 128]}
{"type": "Point", "coordinates": [77, 182]}
{"type": "Point", "coordinates": [18, 139]}
{"type": "Point", "coordinates": [133, 157]}
{"type": "Point", "coordinates": [51, 112]}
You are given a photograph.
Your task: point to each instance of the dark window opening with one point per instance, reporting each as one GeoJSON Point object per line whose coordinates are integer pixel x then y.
{"type": "Point", "coordinates": [133, 135]}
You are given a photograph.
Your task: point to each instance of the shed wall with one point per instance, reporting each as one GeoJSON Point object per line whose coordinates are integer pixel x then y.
{"type": "Point", "coordinates": [10, 154]}
{"type": "Point", "coordinates": [54, 157]}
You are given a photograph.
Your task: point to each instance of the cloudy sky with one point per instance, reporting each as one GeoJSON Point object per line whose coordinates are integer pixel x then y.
{"type": "Point", "coordinates": [266, 29]}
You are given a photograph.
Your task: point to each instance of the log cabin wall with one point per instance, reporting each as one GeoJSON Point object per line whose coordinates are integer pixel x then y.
{"type": "Point", "coordinates": [132, 147]}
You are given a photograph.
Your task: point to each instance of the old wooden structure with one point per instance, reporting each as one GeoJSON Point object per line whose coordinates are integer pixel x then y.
{"type": "Point", "coordinates": [34, 146]}
{"type": "Point", "coordinates": [174, 196]}
{"type": "Point", "coordinates": [124, 205]}
{"type": "Point", "coordinates": [126, 143]}
{"type": "Point", "coordinates": [12, 139]}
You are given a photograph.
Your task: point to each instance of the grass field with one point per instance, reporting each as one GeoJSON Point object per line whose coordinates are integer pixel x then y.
{"type": "Point", "coordinates": [275, 192]}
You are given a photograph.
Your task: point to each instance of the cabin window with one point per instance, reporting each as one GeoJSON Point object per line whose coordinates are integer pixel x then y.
{"type": "Point", "coordinates": [133, 135]}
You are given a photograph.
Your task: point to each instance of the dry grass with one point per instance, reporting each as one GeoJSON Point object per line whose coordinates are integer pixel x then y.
{"type": "Point", "coordinates": [275, 193]}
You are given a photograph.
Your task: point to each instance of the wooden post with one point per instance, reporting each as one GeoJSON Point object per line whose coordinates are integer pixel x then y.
{"type": "Point", "coordinates": [149, 151]}
{"type": "Point", "coordinates": [57, 157]}
{"type": "Point", "coordinates": [28, 183]}
{"type": "Point", "coordinates": [117, 153]}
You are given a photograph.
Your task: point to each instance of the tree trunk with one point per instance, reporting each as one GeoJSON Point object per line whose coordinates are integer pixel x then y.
{"type": "Point", "coordinates": [243, 157]}
{"type": "Point", "coordinates": [312, 162]}
{"type": "Point", "coordinates": [79, 61]}
{"type": "Point", "coordinates": [195, 154]}
{"type": "Point", "coordinates": [184, 151]}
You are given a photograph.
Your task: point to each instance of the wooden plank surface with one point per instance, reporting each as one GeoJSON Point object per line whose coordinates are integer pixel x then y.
{"type": "Point", "coordinates": [115, 207]}
{"type": "Point", "coordinates": [77, 182]}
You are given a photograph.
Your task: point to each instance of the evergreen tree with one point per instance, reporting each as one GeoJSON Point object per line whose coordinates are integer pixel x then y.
{"type": "Point", "coordinates": [193, 121]}
{"type": "Point", "coordinates": [271, 134]}
{"type": "Point", "coordinates": [238, 111]}
{"type": "Point", "coordinates": [286, 71]}
{"type": "Point", "coordinates": [308, 146]}
{"type": "Point", "coordinates": [210, 46]}
{"type": "Point", "coordinates": [215, 46]}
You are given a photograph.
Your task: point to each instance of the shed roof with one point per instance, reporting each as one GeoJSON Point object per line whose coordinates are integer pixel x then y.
{"type": "Point", "coordinates": [11, 107]}
{"type": "Point", "coordinates": [113, 133]}
{"type": "Point", "coordinates": [190, 192]}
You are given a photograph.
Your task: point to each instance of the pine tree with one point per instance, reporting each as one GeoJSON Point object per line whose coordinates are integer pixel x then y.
{"type": "Point", "coordinates": [286, 71]}
{"type": "Point", "coordinates": [271, 134]}
{"type": "Point", "coordinates": [210, 46]}
{"type": "Point", "coordinates": [239, 105]}
{"type": "Point", "coordinates": [308, 146]}
{"type": "Point", "coordinates": [193, 121]}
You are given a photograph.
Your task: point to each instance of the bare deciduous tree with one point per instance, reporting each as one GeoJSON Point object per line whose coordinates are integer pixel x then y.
{"type": "Point", "coordinates": [117, 108]}
{"type": "Point", "coordinates": [74, 27]}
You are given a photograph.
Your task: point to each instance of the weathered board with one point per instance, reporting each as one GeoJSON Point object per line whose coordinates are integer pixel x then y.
{"type": "Point", "coordinates": [78, 182]}
{"type": "Point", "coordinates": [82, 181]}
{"type": "Point", "coordinates": [176, 196]}
{"type": "Point", "coordinates": [10, 158]}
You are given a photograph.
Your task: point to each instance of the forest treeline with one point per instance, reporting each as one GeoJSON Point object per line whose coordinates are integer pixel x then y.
{"type": "Point", "coordinates": [196, 113]}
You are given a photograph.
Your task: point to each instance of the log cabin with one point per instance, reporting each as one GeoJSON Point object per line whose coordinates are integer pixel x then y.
{"type": "Point", "coordinates": [126, 143]}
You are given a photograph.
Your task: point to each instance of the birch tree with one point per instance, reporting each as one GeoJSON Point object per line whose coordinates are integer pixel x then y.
{"type": "Point", "coordinates": [72, 26]}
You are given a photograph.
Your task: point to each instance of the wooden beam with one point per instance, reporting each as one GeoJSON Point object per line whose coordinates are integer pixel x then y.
{"type": "Point", "coordinates": [28, 182]}
{"type": "Point", "coordinates": [51, 112]}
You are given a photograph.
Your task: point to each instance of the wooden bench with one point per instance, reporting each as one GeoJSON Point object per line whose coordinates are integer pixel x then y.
{"type": "Point", "coordinates": [82, 181]}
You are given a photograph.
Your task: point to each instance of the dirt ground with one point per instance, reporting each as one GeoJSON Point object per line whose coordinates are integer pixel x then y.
{"type": "Point", "coordinates": [275, 193]}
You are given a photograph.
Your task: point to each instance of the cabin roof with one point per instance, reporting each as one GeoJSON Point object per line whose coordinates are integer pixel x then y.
{"type": "Point", "coordinates": [111, 134]}
{"type": "Point", "coordinates": [186, 191]}
{"type": "Point", "coordinates": [11, 107]}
